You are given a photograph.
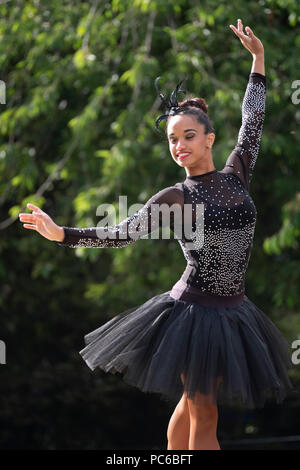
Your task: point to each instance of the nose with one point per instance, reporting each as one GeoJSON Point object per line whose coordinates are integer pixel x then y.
{"type": "Point", "coordinates": [180, 147]}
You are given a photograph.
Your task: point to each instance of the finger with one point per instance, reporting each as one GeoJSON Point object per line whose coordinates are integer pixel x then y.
{"type": "Point", "coordinates": [32, 206]}
{"type": "Point", "coordinates": [234, 29]}
{"type": "Point", "coordinates": [249, 31]}
{"type": "Point", "coordinates": [33, 227]}
{"type": "Point", "coordinates": [240, 29]}
{"type": "Point", "coordinates": [29, 217]}
{"type": "Point", "coordinates": [239, 33]}
{"type": "Point", "coordinates": [24, 219]}
{"type": "Point", "coordinates": [240, 25]}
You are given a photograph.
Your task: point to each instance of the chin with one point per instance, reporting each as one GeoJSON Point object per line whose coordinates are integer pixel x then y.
{"type": "Point", "coordinates": [185, 163]}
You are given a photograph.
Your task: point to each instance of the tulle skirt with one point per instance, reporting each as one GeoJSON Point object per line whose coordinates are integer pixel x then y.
{"type": "Point", "coordinates": [169, 347]}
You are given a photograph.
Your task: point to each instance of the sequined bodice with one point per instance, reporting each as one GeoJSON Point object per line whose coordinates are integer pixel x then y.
{"type": "Point", "coordinates": [217, 261]}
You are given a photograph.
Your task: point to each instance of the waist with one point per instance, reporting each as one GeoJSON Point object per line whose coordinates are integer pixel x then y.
{"type": "Point", "coordinates": [183, 291]}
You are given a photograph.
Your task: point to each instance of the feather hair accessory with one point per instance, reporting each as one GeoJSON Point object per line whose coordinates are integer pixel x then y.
{"type": "Point", "coordinates": [171, 104]}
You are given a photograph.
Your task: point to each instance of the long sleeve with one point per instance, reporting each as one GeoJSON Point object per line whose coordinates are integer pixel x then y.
{"type": "Point", "coordinates": [143, 222]}
{"type": "Point", "coordinates": [242, 159]}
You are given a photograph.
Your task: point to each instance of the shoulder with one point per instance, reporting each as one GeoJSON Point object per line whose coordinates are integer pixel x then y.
{"type": "Point", "coordinates": [179, 186]}
{"type": "Point", "coordinates": [228, 174]}
{"type": "Point", "coordinates": [169, 195]}
{"type": "Point", "coordinates": [176, 188]}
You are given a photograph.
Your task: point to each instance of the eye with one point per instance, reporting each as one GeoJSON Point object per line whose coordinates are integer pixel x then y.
{"type": "Point", "coordinates": [188, 137]}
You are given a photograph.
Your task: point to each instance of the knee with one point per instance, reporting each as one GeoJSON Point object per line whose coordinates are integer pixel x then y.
{"type": "Point", "coordinates": [204, 416]}
{"type": "Point", "coordinates": [182, 406]}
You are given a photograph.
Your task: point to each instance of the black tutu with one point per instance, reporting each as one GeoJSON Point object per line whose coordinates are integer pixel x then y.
{"type": "Point", "coordinates": [151, 345]}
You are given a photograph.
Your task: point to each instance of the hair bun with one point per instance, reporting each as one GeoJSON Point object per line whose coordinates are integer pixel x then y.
{"type": "Point", "coordinates": [196, 103]}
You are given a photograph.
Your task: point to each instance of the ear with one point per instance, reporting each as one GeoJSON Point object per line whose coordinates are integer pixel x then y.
{"type": "Point", "coordinates": [211, 138]}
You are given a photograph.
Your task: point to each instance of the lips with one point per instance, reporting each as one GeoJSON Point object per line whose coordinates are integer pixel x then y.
{"type": "Point", "coordinates": [183, 155]}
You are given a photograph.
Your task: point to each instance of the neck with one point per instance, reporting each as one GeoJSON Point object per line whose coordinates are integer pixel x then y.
{"type": "Point", "coordinates": [204, 166]}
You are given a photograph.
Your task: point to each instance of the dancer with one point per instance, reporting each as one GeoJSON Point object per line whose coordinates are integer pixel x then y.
{"type": "Point", "coordinates": [204, 342]}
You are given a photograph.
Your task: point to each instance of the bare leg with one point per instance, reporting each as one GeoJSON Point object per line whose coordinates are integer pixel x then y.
{"type": "Point", "coordinates": [203, 428]}
{"type": "Point", "coordinates": [203, 422]}
{"type": "Point", "coordinates": [179, 427]}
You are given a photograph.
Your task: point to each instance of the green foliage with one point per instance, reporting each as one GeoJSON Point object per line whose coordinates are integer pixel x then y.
{"type": "Point", "coordinates": [77, 131]}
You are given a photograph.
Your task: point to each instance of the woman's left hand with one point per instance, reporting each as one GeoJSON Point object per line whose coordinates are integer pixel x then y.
{"type": "Point", "coordinates": [249, 40]}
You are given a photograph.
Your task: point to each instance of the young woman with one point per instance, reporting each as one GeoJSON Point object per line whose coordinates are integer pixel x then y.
{"type": "Point", "coordinates": [202, 343]}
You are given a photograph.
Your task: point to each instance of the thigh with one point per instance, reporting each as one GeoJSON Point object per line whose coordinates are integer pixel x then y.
{"type": "Point", "coordinates": [201, 399]}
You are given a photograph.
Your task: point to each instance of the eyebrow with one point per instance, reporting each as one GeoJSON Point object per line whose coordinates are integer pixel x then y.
{"type": "Point", "coordinates": [184, 131]}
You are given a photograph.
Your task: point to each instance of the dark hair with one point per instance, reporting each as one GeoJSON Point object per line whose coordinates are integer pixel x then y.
{"type": "Point", "coordinates": [194, 106]}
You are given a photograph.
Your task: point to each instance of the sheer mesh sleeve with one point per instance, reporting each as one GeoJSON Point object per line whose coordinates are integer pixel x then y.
{"type": "Point", "coordinates": [242, 159]}
{"type": "Point", "coordinates": [157, 212]}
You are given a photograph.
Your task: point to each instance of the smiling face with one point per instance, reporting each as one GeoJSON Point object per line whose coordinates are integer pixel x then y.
{"type": "Point", "coordinates": [187, 139]}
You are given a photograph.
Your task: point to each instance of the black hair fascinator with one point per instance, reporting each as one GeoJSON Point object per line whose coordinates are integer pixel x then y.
{"type": "Point", "coordinates": [170, 104]}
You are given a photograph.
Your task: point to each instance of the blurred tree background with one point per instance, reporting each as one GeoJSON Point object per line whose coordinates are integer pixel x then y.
{"type": "Point", "coordinates": [77, 130]}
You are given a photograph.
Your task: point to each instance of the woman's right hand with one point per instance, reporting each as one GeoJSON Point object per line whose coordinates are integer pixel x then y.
{"type": "Point", "coordinates": [42, 223]}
